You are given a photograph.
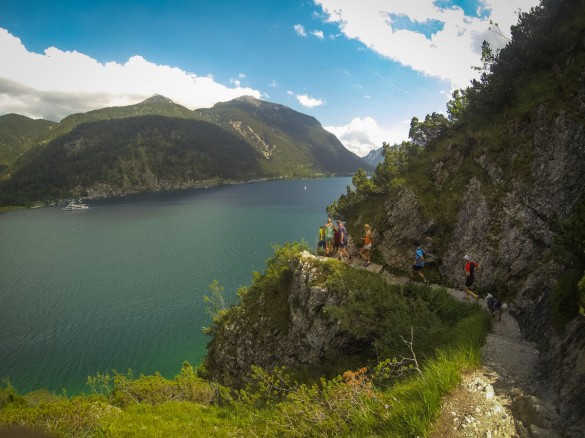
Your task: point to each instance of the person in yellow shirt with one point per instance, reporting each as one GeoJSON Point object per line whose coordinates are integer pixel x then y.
{"type": "Point", "coordinates": [321, 242]}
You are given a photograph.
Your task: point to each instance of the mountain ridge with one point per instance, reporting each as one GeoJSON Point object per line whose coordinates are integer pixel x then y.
{"type": "Point", "coordinates": [285, 143]}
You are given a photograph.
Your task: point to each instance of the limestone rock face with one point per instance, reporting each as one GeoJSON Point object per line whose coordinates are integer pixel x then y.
{"type": "Point", "coordinates": [301, 334]}
{"type": "Point", "coordinates": [566, 370]}
{"type": "Point", "coordinates": [506, 222]}
{"type": "Point", "coordinates": [511, 238]}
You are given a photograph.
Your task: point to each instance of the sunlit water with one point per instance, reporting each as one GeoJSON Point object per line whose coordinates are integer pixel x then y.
{"type": "Point", "coordinates": [120, 285]}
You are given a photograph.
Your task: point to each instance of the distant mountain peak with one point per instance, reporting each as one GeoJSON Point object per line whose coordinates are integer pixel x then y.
{"type": "Point", "coordinates": [249, 99]}
{"type": "Point", "coordinates": [157, 98]}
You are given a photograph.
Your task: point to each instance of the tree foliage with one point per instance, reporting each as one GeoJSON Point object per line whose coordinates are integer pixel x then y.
{"type": "Point", "coordinates": [432, 128]}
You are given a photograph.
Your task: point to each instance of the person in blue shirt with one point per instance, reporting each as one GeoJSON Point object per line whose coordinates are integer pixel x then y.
{"type": "Point", "coordinates": [329, 234]}
{"type": "Point", "coordinates": [418, 263]}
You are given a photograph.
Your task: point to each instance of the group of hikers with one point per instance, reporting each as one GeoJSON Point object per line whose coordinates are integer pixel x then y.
{"type": "Point", "coordinates": [333, 241]}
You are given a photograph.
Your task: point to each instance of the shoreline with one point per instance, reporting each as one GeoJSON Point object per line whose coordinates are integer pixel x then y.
{"type": "Point", "coordinates": [97, 194]}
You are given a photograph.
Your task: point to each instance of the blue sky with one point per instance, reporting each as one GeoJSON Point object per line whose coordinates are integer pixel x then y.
{"type": "Point", "coordinates": [362, 68]}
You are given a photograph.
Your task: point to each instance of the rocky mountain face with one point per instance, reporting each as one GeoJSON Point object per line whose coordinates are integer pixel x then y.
{"type": "Point", "coordinates": [374, 157]}
{"type": "Point", "coordinates": [508, 222]}
{"type": "Point", "coordinates": [309, 332]}
{"type": "Point", "coordinates": [272, 129]}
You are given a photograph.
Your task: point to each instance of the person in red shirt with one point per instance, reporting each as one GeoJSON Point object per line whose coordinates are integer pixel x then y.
{"type": "Point", "coordinates": [470, 267]}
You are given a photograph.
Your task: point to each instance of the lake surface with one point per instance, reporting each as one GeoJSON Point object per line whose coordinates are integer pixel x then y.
{"type": "Point", "coordinates": [120, 285]}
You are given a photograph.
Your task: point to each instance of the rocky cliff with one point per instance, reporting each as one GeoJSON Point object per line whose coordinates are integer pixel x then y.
{"type": "Point", "coordinates": [508, 219]}
{"type": "Point", "coordinates": [282, 327]}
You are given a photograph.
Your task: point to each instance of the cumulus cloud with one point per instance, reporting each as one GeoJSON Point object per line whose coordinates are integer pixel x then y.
{"type": "Point", "coordinates": [300, 30]}
{"type": "Point", "coordinates": [57, 83]}
{"type": "Point", "coordinates": [363, 135]}
{"type": "Point", "coordinates": [447, 52]}
{"type": "Point", "coordinates": [306, 100]}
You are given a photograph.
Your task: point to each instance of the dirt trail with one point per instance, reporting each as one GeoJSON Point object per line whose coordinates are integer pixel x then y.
{"type": "Point", "coordinates": [498, 399]}
{"type": "Point", "coordinates": [494, 400]}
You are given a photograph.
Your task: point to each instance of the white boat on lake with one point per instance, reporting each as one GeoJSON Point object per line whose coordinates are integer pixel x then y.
{"type": "Point", "coordinates": [75, 206]}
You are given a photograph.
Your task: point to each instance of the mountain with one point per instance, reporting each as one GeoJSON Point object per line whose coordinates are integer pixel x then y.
{"type": "Point", "coordinates": [159, 145]}
{"type": "Point", "coordinates": [374, 157]}
{"type": "Point", "coordinates": [291, 141]}
{"type": "Point", "coordinates": [18, 134]}
{"type": "Point", "coordinates": [154, 106]}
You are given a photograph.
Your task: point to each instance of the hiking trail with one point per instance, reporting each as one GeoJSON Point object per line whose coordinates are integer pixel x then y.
{"type": "Point", "coordinates": [502, 397]}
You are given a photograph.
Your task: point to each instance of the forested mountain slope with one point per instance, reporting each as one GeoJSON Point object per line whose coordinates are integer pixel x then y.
{"type": "Point", "coordinates": [18, 134]}
{"type": "Point", "coordinates": [159, 145]}
{"type": "Point", "coordinates": [288, 139]}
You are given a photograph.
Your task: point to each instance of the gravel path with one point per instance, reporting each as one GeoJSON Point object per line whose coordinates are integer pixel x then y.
{"type": "Point", "coordinates": [494, 400]}
{"type": "Point", "coordinates": [498, 399]}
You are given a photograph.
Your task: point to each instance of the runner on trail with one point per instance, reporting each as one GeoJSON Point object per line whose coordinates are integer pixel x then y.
{"type": "Point", "coordinates": [365, 251]}
{"type": "Point", "coordinates": [329, 234]}
{"type": "Point", "coordinates": [418, 263]}
{"type": "Point", "coordinates": [470, 267]}
{"type": "Point", "coordinates": [336, 240]}
{"type": "Point", "coordinates": [321, 242]}
{"type": "Point", "coordinates": [343, 241]}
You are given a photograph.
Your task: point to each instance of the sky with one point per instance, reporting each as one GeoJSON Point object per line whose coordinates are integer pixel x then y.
{"type": "Point", "coordinates": [363, 68]}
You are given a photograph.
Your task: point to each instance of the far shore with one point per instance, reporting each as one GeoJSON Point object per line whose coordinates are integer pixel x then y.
{"type": "Point", "coordinates": [195, 185]}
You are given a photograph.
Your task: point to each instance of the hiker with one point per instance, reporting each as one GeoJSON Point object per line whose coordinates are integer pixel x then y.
{"type": "Point", "coordinates": [470, 267]}
{"type": "Point", "coordinates": [336, 240]}
{"type": "Point", "coordinates": [321, 241]}
{"type": "Point", "coordinates": [495, 307]}
{"type": "Point", "coordinates": [418, 263]}
{"type": "Point", "coordinates": [365, 251]}
{"type": "Point", "coordinates": [329, 233]}
{"type": "Point", "coordinates": [343, 237]}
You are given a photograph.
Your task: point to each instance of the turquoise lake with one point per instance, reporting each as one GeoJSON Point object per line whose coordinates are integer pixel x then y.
{"type": "Point", "coordinates": [120, 285]}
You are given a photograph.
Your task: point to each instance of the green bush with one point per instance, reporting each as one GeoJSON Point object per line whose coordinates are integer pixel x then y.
{"type": "Point", "coordinates": [123, 389]}
{"type": "Point", "coordinates": [8, 394]}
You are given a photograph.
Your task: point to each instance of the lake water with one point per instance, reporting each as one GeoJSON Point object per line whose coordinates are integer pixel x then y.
{"type": "Point", "coordinates": [120, 285]}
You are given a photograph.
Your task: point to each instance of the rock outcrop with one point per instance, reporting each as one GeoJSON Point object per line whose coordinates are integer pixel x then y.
{"type": "Point", "coordinates": [509, 223]}
{"type": "Point", "coordinates": [301, 334]}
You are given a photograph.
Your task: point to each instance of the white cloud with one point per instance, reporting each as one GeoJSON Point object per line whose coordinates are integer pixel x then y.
{"type": "Point", "coordinates": [300, 30]}
{"type": "Point", "coordinates": [363, 135]}
{"type": "Point", "coordinates": [57, 83]}
{"type": "Point", "coordinates": [448, 54]}
{"type": "Point", "coordinates": [306, 100]}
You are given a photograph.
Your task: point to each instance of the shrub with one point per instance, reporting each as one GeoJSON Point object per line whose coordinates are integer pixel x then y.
{"type": "Point", "coordinates": [124, 389]}
{"type": "Point", "coordinates": [8, 394]}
